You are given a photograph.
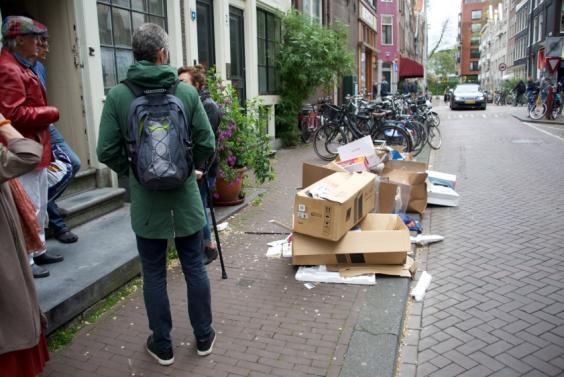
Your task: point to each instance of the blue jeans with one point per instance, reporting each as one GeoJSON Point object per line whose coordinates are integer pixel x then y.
{"type": "Point", "coordinates": [153, 254]}
{"type": "Point", "coordinates": [204, 195]}
{"type": "Point", "coordinates": [56, 222]}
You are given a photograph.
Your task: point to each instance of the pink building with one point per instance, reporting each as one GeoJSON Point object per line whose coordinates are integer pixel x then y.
{"type": "Point", "coordinates": [388, 43]}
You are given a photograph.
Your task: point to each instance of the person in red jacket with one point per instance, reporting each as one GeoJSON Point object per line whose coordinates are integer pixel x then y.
{"type": "Point", "coordinates": [24, 102]}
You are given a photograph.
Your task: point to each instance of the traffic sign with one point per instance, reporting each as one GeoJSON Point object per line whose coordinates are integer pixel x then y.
{"type": "Point", "coordinates": [502, 67]}
{"type": "Point", "coordinates": [553, 63]}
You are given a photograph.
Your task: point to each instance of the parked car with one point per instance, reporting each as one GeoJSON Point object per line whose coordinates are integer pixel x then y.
{"type": "Point", "coordinates": [468, 96]}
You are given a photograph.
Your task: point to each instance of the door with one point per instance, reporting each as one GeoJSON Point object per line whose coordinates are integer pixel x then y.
{"type": "Point", "coordinates": [237, 39]}
{"type": "Point", "coordinates": [206, 43]}
{"type": "Point", "coordinates": [63, 66]}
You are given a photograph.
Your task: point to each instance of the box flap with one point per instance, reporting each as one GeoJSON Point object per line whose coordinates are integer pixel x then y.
{"type": "Point", "coordinates": [312, 173]}
{"type": "Point", "coordinates": [338, 187]}
{"type": "Point", "coordinates": [407, 270]}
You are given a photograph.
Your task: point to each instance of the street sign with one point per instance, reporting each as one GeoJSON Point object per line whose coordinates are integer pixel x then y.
{"type": "Point", "coordinates": [502, 67]}
{"type": "Point", "coordinates": [553, 63]}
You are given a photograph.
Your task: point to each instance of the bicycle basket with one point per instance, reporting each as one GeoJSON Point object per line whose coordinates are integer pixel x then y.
{"type": "Point", "coordinates": [330, 111]}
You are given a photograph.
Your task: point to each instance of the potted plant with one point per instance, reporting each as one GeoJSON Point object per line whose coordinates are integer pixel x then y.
{"type": "Point", "coordinates": [242, 141]}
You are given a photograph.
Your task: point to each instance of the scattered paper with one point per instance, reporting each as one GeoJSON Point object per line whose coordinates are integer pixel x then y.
{"type": "Point", "coordinates": [320, 274]}
{"type": "Point", "coordinates": [426, 239]}
{"type": "Point", "coordinates": [310, 285]}
{"type": "Point", "coordinates": [280, 248]}
{"type": "Point", "coordinates": [421, 287]}
{"type": "Point", "coordinates": [222, 226]}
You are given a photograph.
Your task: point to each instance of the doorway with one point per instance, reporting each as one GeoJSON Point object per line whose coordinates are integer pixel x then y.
{"type": "Point", "coordinates": [237, 40]}
{"type": "Point", "coordinates": [206, 43]}
{"type": "Point", "coordinates": [63, 66]}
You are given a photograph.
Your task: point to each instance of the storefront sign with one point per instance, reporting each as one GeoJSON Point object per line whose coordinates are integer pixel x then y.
{"type": "Point", "coordinates": [368, 17]}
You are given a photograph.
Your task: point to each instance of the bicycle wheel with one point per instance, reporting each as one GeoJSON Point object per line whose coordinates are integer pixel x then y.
{"type": "Point", "coordinates": [509, 100]}
{"type": "Point", "coordinates": [434, 137]}
{"type": "Point", "coordinates": [329, 133]}
{"type": "Point", "coordinates": [537, 111]}
{"type": "Point", "coordinates": [434, 118]}
{"type": "Point", "coordinates": [394, 136]}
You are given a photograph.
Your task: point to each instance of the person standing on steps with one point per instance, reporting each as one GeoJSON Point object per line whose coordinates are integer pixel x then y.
{"type": "Point", "coordinates": [24, 102]}
{"type": "Point", "coordinates": [56, 222]}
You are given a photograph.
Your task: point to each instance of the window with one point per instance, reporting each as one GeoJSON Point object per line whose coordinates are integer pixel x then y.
{"type": "Point", "coordinates": [312, 8]}
{"type": "Point", "coordinates": [541, 21]}
{"type": "Point", "coordinates": [474, 53]}
{"type": "Point", "coordinates": [535, 29]}
{"type": "Point", "coordinates": [204, 20]}
{"type": "Point", "coordinates": [116, 24]}
{"type": "Point", "coordinates": [475, 41]}
{"type": "Point", "coordinates": [268, 26]}
{"type": "Point", "coordinates": [387, 30]}
{"type": "Point", "coordinates": [562, 18]}
{"type": "Point", "coordinates": [476, 28]}
{"type": "Point", "coordinates": [386, 1]}
{"type": "Point", "coordinates": [476, 14]}
{"type": "Point", "coordinates": [474, 66]}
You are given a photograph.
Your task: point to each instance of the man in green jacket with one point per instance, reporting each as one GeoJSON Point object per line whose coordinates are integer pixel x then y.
{"type": "Point", "coordinates": [157, 216]}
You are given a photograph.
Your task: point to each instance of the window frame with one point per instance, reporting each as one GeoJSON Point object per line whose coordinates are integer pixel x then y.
{"type": "Point", "coordinates": [391, 25]}
{"type": "Point", "coordinates": [268, 63]}
{"type": "Point", "coordinates": [115, 48]}
{"type": "Point", "coordinates": [309, 13]}
{"type": "Point", "coordinates": [472, 14]}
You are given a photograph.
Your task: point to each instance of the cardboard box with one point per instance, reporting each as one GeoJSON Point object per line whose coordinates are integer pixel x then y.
{"type": "Point", "coordinates": [312, 173]}
{"type": "Point", "coordinates": [382, 240]}
{"type": "Point", "coordinates": [332, 206]}
{"type": "Point", "coordinates": [386, 194]}
{"type": "Point", "coordinates": [410, 173]}
{"type": "Point", "coordinates": [354, 164]}
{"type": "Point", "coordinates": [442, 196]}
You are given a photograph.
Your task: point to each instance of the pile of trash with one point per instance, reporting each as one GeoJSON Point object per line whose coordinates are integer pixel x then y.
{"type": "Point", "coordinates": [358, 216]}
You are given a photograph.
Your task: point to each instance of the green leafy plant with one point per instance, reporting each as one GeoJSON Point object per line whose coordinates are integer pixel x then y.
{"type": "Point", "coordinates": [242, 140]}
{"type": "Point", "coordinates": [310, 56]}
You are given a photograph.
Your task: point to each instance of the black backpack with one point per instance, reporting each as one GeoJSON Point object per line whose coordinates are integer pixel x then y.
{"type": "Point", "coordinates": [159, 140]}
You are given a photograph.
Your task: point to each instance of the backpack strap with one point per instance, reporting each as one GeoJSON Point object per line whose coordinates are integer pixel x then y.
{"type": "Point", "coordinates": [137, 90]}
{"type": "Point", "coordinates": [172, 89]}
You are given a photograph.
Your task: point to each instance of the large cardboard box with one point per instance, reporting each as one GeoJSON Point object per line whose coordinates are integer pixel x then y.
{"type": "Point", "coordinates": [383, 239]}
{"type": "Point", "coordinates": [333, 205]}
{"type": "Point", "coordinates": [413, 174]}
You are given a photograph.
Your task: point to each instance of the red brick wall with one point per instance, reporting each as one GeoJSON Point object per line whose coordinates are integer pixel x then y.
{"type": "Point", "coordinates": [466, 34]}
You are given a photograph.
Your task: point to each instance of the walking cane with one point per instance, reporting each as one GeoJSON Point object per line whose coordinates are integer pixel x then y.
{"type": "Point", "coordinates": [215, 231]}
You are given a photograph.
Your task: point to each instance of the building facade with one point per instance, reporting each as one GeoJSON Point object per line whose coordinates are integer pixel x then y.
{"type": "Point", "coordinates": [90, 52]}
{"type": "Point", "coordinates": [389, 31]}
{"type": "Point", "coordinates": [493, 51]}
{"type": "Point", "coordinates": [471, 20]}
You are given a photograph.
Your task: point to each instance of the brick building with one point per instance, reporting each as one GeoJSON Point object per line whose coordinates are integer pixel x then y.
{"type": "Point", "coordinates": [470, 22]}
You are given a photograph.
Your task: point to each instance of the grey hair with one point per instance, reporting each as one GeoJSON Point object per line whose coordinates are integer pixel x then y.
{"type": "Point", "coordinates": [9, 43]}
{"type": "Point", "coordinates": [148, 39]}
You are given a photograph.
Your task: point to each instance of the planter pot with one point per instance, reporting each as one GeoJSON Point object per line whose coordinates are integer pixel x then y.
{"type": "Point", "coordinates": [229, 193]}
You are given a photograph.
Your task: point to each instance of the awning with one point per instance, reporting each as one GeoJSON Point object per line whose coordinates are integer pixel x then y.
{"type": "Point", "coordinates": [409, 68]}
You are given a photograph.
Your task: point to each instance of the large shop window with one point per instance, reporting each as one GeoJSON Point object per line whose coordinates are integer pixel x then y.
{"type": "Point", "coordinates": [116, 23]}
{"type": "Point", "coordinates": [387, 30]}
{"type": "Point", "coordinates": [268, 26]}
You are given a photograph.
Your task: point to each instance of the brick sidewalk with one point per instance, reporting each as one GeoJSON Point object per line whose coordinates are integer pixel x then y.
{"type": "Point", "coordinates": [496, 303]}
{"type": "Point", "coordinates": [267, 322]}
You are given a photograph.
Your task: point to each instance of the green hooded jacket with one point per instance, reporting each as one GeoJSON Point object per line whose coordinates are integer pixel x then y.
{"type": "Point", "coordinates": [156, 214]}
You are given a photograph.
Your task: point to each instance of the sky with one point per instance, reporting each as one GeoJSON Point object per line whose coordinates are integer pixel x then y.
{"type": "Point", "coordinates": [437, 13]}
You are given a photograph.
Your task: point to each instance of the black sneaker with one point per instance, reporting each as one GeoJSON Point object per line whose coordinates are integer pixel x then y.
{"type": "Point", "coordinates": [205, 347]}
{"type": "Point", "coordinates": [163, 357]}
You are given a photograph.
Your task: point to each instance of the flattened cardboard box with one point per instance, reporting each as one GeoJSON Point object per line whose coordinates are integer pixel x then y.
{"type": "Point", "coordinates": [410, 173]}
{"type": "Point", "coordinates": [345, 198]}
{"type": "Point", "coordinates": [406, 270]}
{"type": "Point", "coordinates": [382, 240]}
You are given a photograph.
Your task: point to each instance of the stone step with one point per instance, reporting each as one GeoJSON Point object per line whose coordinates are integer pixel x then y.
{"type": "Point", "coordinates": [84, 180]}
{"type": "Point", "coordinates": [89, 205]}
{"type": "Point", "coordinates": [103, 260]}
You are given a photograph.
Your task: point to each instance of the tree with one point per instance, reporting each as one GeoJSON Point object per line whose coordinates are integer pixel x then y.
{"type": "Point", "coordinates": [443, 63]}
{"type": "Point", "coordinates": [440, 40]}
{"type": "Point", "coordinates": [310, 56]}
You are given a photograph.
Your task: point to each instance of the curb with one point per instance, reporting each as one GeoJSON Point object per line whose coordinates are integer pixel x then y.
{"type": "Point", "coordinates": [528, 120]}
